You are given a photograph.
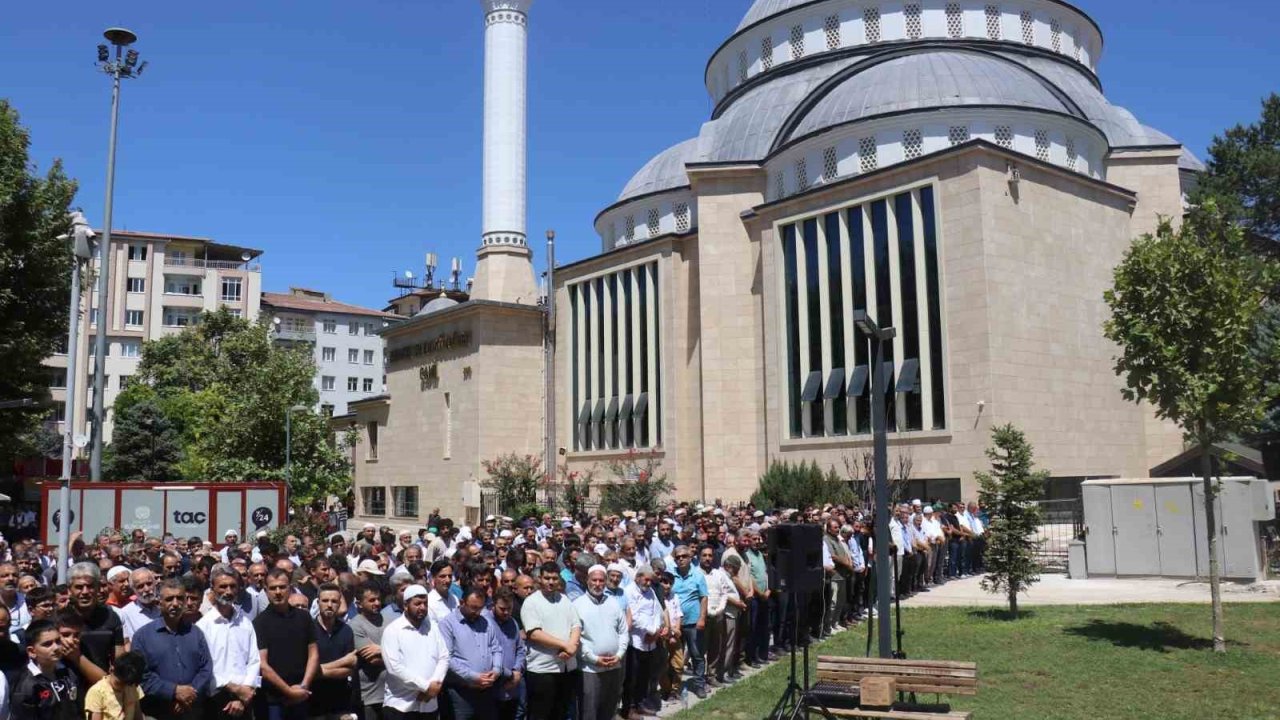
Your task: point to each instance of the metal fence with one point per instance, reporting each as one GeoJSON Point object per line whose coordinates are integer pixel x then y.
{"type": "Point", "coordinates": [1062, 522]}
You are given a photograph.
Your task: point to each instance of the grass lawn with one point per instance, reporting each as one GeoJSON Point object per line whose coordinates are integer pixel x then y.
{"type": "Point", "coordinates": [1095, 662]}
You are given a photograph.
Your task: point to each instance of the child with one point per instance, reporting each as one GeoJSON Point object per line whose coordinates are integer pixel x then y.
{"type": "Point", "coordinates": [44, 689]}
{"type": "Point", "coordinates": [116, 696]}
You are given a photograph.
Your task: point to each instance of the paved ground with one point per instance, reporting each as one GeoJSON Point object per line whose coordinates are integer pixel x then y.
{"type": "Point", "coordinates": [1055, 589]}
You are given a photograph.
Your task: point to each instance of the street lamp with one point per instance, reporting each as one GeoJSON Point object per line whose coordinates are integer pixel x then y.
{"type": "Point", "coordinates": [124, 65]}
{"type": "Point", "coordinates": [81, 241]}
{"type": "Point", "coordinates": [288, 442]}
{"type": "Point", "coordinates": [878, 336]}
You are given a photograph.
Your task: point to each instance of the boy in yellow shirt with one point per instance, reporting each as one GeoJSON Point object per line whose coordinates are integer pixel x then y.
{"type": "Point", "coordinates": [116, 696]}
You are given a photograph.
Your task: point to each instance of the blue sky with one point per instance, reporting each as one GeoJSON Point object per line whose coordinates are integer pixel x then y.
{"type": "Point", "coordinates": [343, 138]}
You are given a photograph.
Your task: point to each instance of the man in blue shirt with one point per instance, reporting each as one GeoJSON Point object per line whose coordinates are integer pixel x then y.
{"type": "Point", "coordinates": [511, 686]}
{"type": "Point", "coordinates": [690, 590]}
{"type": "Point", "coordinates": [475, 658]}
{"type": "Point", "coordinates": [179, 669]}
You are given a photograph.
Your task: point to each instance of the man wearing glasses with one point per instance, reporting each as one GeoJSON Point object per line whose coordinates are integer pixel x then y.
{"type": "Point", "coordinates": [690, 590]}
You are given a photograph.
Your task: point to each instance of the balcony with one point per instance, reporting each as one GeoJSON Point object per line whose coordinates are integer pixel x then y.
{"type": "Point", "coordinates": [294, 335]}
{"type": "Point", "coordinates": [212, 264]}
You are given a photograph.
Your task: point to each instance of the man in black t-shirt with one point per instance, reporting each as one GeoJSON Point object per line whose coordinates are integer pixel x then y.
{"type": "Point", "coordinates": [102, 637]}
{"type": "Point", "coordinates": [290, 657]}
{"type": "Point", "coordinates": [336, 645]}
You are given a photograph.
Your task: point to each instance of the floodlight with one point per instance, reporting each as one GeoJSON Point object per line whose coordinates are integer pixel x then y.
{"type": "Point", "coordinates": [102, 53]}
{"type": "Point", "coordinates": [131, 58]}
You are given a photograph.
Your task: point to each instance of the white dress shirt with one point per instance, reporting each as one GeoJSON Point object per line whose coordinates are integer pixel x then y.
{"type": "Point", "coordinates": [438, 608]}
{"type": "Point", "coordinates": [134, 616]}
{"type": "Point", "coordinates": [646, 615]}
{"type": "Point", "coordinates": [975, 524]}
{"type": "Point", "coordinates": [898, 536]}
{"type": "Point", "coordinates": [233, 648]}
{"type": "Point", "coordinates": [720, 588]}
{"type": "Point", "coordinates": [414, 657]}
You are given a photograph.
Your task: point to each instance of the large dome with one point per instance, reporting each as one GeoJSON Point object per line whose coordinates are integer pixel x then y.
{"type": "Point", "coordinates": [762, 9]}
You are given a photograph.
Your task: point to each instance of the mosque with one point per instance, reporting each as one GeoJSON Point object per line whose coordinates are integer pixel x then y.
{"type": "Point", "coordinates": [951, 168]}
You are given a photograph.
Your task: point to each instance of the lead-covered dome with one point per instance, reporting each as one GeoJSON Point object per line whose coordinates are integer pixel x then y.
{"type": "Point", "coordinates": [663, 172]}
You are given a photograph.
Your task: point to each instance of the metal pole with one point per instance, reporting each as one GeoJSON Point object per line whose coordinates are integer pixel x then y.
{"type": "Point", "coordinates": [68, 436]}
{"type": "Point", "coordinates": [881, 451]}
{"type": "Point", "coordinates": [104, 275]}
{"type": "Point", "coordinates": [549, 361]}
{"type": "Point", "coordinates": [288, 446]}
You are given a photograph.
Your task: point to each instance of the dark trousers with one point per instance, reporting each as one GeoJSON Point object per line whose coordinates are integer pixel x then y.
{"type": "Point", "coordinates": [550, 695]}
{"type": "Point", "coordinates": [371, 712]}
{"type": "Point", "coordinates": [978, 547]}
{"type": "Point", "coordinates": [758, 638]}
{"type": "Point", "coordinates": [162, 710]}
{"type": "Point", "coordinates": [466, 703]}
{"type": "Point", "coordinates": [640, 665]}
{"type": "Point", "coordinates": [780, 619]}
{"type": "Point", "coordinates": [958, 557]}
{"type": "Point", "coordinates": [277, 711]}
{"type": "Point", "coordinates": [213, 707]}
{"type": "Point", "coordinates": [393, 714]}
{"type": "Point", "coordinates": [695, 657]}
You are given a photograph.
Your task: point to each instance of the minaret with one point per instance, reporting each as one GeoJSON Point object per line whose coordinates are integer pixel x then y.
{"type": "Point", "coordinates": [504, 263]}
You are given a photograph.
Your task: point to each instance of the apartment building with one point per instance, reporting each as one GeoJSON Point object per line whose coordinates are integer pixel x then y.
{"type": "Point", "coordinates": [343, 338]}
{"type": "Point", "coordinates": [159, 284]}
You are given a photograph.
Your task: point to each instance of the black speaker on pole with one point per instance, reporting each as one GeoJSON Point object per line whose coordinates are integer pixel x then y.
{"type": "Point", "coordinates": [795, 552]}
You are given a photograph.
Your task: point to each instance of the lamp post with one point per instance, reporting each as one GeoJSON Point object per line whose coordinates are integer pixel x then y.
{"type": "Point", "coordinates": [288, 443]}
{"type": "Point", "coordinates": [549, 463]}
{"type": "Point", "coordinates": [124, 65]}
{"type": "Point", "coordinates": [81, 250]}
{"type": "Point", "coordinates": [878, 337]}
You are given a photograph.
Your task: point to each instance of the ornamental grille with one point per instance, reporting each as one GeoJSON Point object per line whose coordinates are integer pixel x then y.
{"type": "Point", "coordinates": [779, 186]}
{"type": "Point", "coordinates": [993, 22]}
{"type": "Point", "coordinates": [682, 217]}
{"type": "Point", "coordinates": [1077, 50]}
{"type": "Point", "coordinates": [655, 221]}
{"type": "Point", "coordinates": [914, 27]}
{"type": "Point", "coordinates": [629, 227]}
{"type": "Point", "coordinates": [958, 134]}
{"type": "Point", "coordinates": [797, 42]}
{"type": "Point", "coordinates": [766, 53]}
{"type": "Point", "coordinates": [742, 66]}
{"type": "Point", "coordinates": [831, 27]}
{"type": "Point", "coordinates": [1042, 145]}
{"type": "Point", "coordinates": [1055, 35]}
{"type": "Point", "coordinates": [871, 19]}
{"type": "Point", "coordinates": [955, 21]}
{"type": "Point", "coordinates": [802, 175]}
{"type": "Point", "coordinates": [1028, 28]}
{"type": "Point", "coordinates": [1004, 136]}
{"type": "Point", "coordinates": [867, 154]}
{"type": "Point", "coordinates": [912, 144]}
{"type": "Point", "coordinates": [613, 232]}
{"type": "Point", "coordinates": [830, 167]}
{"type": "Point", "coordinates": [1071, 153]}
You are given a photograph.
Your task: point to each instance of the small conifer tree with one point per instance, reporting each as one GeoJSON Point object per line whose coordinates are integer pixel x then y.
{"type": "Point", "coordinates": [1010, 494]}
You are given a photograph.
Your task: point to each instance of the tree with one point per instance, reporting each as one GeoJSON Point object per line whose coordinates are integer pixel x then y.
{"type": "Point", "coordinates": [145, 445]}
{"type": "Point", "coordinates": [515, 479]}
{"type": "Point", "coordinates": [1010, 493]}
{"type": "Point", "coordinates": [227, 390]}
{"type": "Point", "coordinates": [1243, 172]}
{"type": "Point", "coordinates": [637, 485]}
{"type": "Point", "coordinates": [1189, 310]}
{"type": "Point", "coordinates": [784, 485]}
{"type": "Point", "coordinates": [575, 488]}
{"type": "Point", "coordinates": [35, 277]}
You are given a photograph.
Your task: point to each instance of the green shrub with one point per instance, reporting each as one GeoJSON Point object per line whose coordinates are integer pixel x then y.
{"type": "Point", "coordinates": [785, 485]}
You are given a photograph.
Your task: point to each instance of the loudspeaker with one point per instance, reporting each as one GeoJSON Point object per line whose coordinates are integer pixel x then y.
{"type": "Point", "coordinates": [795, 552]}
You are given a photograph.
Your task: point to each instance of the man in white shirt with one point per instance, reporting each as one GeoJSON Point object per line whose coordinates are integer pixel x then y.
{"type": "Point", "coordinates": [230, 539]}
{"type": "Point", "coordinates": [937, 544]}
{"type": "Point", "coordinates": [145, 606]}
{"type": "Point", "coordinates": [233, 648]}
{"type": "Point", "coordinates": [441, 602]}
{"type": "Point", "coordinates": [648, 629]}
{"type": "Point", "coordinates": [721, 593]}
{"type": "Point", "coordinates": [979, 544]}
{"type": "Point", "coordinates": [416, 659]}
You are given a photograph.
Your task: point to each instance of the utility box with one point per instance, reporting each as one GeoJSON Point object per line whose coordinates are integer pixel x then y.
{"type": "Point", "coordinates": [1158, 527]}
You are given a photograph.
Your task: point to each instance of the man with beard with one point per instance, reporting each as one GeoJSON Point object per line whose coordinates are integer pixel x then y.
{"type": "Point", "coordinates": [179, 669]}
{"type": "Point", "coordinates": [511, 687]}
{"type": "Point", "coordinates": [289, 656]}
{"type": "Point", "coordinates": [523, 587]}
{"type": "Point", "coordinates": [416, 659]}
{"type": "Point", "coordinates": [145, 606]}
{"type": "Point", "coordinates": [648, 628]}
{"type": "Point", "coordinates": [367, 628]}
{"type": "Point", "coordinates": [335, 646]}
{"type": "Point", "coordinates": [604, 646]}
{"type": "Point", "coordinates": [233, 648]}
{"type": "Point", "coordinates": [19, 615]}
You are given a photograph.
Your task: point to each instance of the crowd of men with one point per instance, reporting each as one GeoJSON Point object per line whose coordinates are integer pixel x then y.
{"type": "Point", "coordinates": [545, 619]}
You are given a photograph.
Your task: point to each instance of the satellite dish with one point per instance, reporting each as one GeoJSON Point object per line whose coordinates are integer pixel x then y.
{"type": "Point", "coordinates": [276, 320]}
{"type": "Point", "coordinates": [408, 274]}
{"type": "Point", "coordinates": [80, 440]}
{"type": "Point", "coordinates": [245, 256]}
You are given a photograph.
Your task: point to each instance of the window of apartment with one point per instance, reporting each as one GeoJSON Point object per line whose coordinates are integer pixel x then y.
{"type": "Point", "coordinates": [59, 413]}
{"type": "Point", "coordinates": [374, 500]}
{"type": "Point", "coordinates": [231, 289]}
{"type": "Point", "coordinates": [58, 378]}
{"type": "Point", "coordinates": [367, 385]}
{"type": "Point", "coordinates": [133, 318]}
{"type": "Point", "coordinates": [405, 500]}
{"type": "Point", "coordinates": [235, 312]}
{"type": "Point", "coordinates": [328, 354]}
{"type": "Point", "coordinates": [93, 316]}
{"type": "Point", "coordinates": [180, 285]}
{"type": "Point", "coordinates": [368, 357]}
{"type": "Point", "coordinates": [353, 384]}
{"type": "Point", "coordinates": [371, 429]}
{"type": "Point", "coordinates": [353, 327]}
{"type": "Point", "coordinates": [136, 285]}
{"type": "Point", "coordinates": [326, 382]}
{"type": "Point", "coordinates": [178, 318]}
{"type": "Point", "coordinates": [130, 349]}
{"type": "Point", "coordinates": [368, 328]}
{"type": "Point", "coordinates": [137, 252]}
{"type": "Point", "coordinates": [326, 409]}
{"type": "Point", "coordinates": [353, 356]}
{"type": "Point", "coordinates": [330, 326]}
{"type": "Point", "coordinates": [125, 381]}
{"type": "Point", "coordinates": [176, 257]}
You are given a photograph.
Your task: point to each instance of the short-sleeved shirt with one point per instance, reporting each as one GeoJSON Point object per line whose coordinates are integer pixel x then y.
{"type": "Point", "coordinates": [102, 698]}
{"type": "Point", "coordinates": [330, 696]}
{"type": "Point", "coordinates": [369, 632]}
{"type": "Point", "coordinates": [689, 590]}
{"type": "Point", "coordinates": [555, 617]}
{"type": "Point", "coordinates": [103, 632]}
{"type": "Point", "coordinates": [286, 638]}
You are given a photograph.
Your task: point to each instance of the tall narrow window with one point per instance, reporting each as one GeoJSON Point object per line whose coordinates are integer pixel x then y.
{"type": "Point", "coordinates": [915, 28]}
{"type": "Point", "coordinates": [448, 427]}
{"type": "Point", "coordinates": [867, 160]}
{"type": "Point", "coordinates": [327, 354]}
{"type": "Point", "coordinates": [1055, 35]}
{"type": "Point", "coordinates": [1028, 28]}
{"type": "Point", "coordinates": [912, 144]}
{"type": "Point", "coordinates": [743, 66]}
{"type": "Point", "coordinates": [372, 432]}
{"type": "Point", "coordinates": [871, 23]}
{"type": "Point", "coordinates": [955, 21]}
{"type": "Point", "coordinates": [993, 22]}
{"type": "Point", "coordinates": [802, 175]}
{"type": "Point", "coordinates": [830, 164]}
{"type": "Point", "coordinates": [1042, 145]}
{"type": "Point", "coordinates": [766, 53]}
{"type": "Point", "coordinates": [682, 217]}
{"type": "Point", "coordinates": [831, 28]}
{"type": "Point", "coordinates": [1004, 136]}
{"type": "Point", "coordinates": [655, 222]}
{"type": "Point", "coordinates": [958, 134]}
{"type": "Point", "coordinates": [797, 42]}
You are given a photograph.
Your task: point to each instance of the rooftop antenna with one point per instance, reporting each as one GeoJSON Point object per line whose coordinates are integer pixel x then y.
{"type": "Point", "coordinates": [431, 270]}
{"type": "Point", "coordinates": [455, 276]}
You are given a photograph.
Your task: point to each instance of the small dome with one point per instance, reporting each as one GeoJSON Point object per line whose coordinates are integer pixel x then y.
{"type": "Point", "coordinates": [663, 172]}
{"type": "Point", "coordinates": [922, 81]}
{"type": "Point", "coordinates": [440, 303]}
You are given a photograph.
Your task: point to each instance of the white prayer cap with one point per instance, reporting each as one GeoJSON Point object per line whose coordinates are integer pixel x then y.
{"type": "Point", "coordinates": [915, 502]}
{"type": "Point", "coordinates": [928, 509]}
{"type": "Point", "coordinates": [414, 591]}
{"type": "Point", "coordinates": [230, 533]}
{"type": "Point", "coordinates": [601, 548]}
{"type": "Point", "coordinates": [505, 534]}
{"type": "Point", "coordinates": [618, 567]}
{"type": "Point", "coordinates": [117, 571]}
{"type": "Point", "coordinates": [597, 567]}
